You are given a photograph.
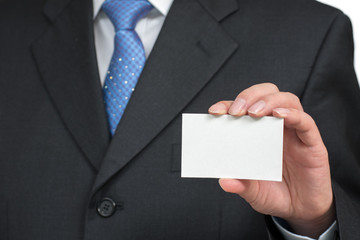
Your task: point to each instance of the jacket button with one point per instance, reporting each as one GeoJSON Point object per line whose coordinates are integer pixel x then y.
{"type": "Point", "coordinates": [106, 207]}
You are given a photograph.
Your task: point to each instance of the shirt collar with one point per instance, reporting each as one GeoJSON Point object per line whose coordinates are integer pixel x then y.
{"type": "Point", "coordinates": [162, 6]}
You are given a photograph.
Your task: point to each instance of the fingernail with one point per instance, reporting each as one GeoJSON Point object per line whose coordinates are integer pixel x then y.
{"type": "Point", "coordinates": [218, 108]}
{"type": "Point", "coordinates": [257, 107]}
{"type": "Point", "coordinates": [283, 112]}
{"type": "Point", "coordinates": [237, 106]}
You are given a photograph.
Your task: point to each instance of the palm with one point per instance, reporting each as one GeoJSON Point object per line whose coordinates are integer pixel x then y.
{"type": "Point", "coordinates": [292, 196]}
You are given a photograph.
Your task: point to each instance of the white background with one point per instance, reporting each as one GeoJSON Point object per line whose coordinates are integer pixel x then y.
{"type": "Point", "coordinates": [352, 9]}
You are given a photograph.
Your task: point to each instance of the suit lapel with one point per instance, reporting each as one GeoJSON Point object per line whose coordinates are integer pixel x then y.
{"type": "Point", "coordinates": [189, 51]}
{"type": "Point", "coordinates": [65, 55]}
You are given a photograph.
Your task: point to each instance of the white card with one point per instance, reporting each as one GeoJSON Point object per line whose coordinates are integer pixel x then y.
{"type": "Point", "coordinates": [232, 147]}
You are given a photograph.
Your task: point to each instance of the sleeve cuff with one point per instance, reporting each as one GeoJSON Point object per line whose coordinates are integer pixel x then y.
{"type": "Point", "coordinates": [327, 235]}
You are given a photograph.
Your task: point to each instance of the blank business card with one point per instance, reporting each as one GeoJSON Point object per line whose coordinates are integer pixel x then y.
{"type": "Point", "coordinates": [232, 147]}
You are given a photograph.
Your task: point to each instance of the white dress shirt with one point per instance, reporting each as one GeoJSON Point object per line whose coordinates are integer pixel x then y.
{"type": "Point", "coordinates": [148, 29]}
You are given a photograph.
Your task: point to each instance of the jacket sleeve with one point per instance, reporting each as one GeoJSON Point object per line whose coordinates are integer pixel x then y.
{"type": "Point", "coordinates": [332, 98]}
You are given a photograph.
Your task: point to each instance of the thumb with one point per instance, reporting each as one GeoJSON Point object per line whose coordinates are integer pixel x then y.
{"type": "Point", "coordinates": [247, 189]}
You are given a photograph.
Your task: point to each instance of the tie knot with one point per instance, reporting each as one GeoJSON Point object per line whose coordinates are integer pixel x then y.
{"type": "Point", "coordinates": [124, 14]}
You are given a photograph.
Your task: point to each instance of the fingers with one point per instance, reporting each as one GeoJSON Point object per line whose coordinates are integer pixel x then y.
{"type": "Point", "coordinates": [257, 101]}
{"type": "Point", "coordinates": [304, 125]}
{"type": "Point", "coordinates": [266, 104]}
{"type": "Point", "coordinates": [265, 99]}
{"type": "Point", "coordinates": [220, 108]}
{"type": "Point", "coordinates": [250, 96]}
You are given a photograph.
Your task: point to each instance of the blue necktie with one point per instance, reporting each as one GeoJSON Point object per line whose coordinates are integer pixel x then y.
{"type": "Point", "coordinates": [128, 58]}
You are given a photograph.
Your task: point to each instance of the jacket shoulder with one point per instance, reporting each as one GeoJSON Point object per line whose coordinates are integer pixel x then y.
{"type": "Point", "coordinates": [301, 12]}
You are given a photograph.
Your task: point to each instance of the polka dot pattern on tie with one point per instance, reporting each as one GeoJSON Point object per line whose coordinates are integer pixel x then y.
{"type": "Point", "coordinates": [128, 58]}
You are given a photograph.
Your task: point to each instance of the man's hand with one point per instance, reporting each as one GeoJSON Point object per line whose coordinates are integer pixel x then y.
{"type": "Point", "coordinates": [304, 198]}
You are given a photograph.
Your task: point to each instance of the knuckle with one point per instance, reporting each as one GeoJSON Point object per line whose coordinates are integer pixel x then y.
{"type": "Point", "coordinates": [272, 86]}
{"type": "Point", "coordinates": [292, 96]}
{"type": "Point", "coordinates": [244, 94]}
{"type": "Point", "coordinates": [310, 119]}
{"type": "Point", "coordinates": [257, 90]}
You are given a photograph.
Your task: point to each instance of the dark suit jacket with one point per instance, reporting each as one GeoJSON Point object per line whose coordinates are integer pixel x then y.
{"type": "Point", "coordinates": [57, 162]}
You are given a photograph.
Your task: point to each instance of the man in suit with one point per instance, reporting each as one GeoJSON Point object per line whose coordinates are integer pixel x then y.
{"type": "Point", "coordinates": [63, 176]}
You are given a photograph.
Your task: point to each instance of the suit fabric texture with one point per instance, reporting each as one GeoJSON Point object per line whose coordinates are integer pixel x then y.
{"type": "Point", "coordinates": [57, 161]}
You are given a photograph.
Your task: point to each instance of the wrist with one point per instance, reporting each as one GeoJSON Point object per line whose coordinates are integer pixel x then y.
{"type": "Point", "coordinates": [313, 227]}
